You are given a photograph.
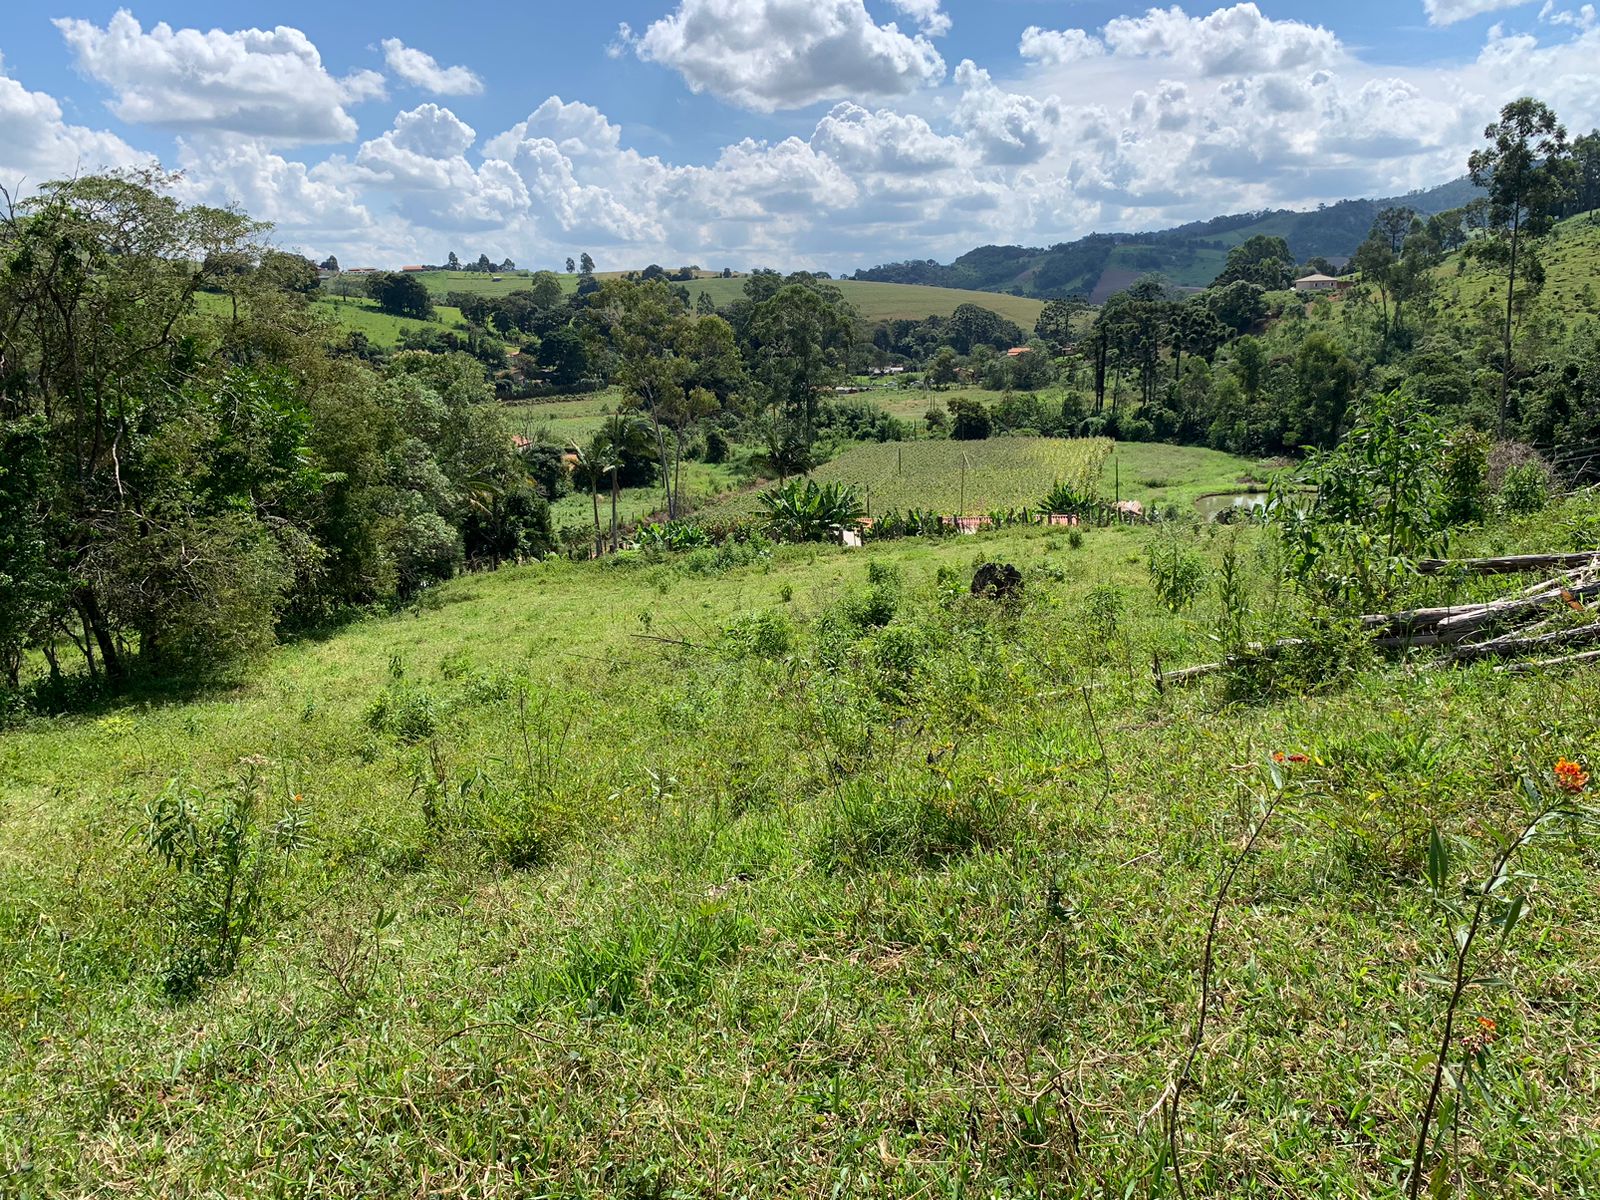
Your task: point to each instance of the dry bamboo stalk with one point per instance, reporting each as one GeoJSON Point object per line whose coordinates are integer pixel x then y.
{"type": "Point", "coordinates": [1517, 643]}
{"type": "Point", "coordinates": [1539, 664]}
{"type": "Point", "coordinates": [1506, 564]}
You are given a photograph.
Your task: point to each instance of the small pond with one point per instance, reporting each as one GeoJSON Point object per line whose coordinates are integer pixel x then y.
{"type": "Point", "coordinates": [1234, 504]}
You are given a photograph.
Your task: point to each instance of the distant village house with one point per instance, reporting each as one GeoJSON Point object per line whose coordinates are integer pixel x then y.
{"type": "Point", "coordinates": [1320, 283]}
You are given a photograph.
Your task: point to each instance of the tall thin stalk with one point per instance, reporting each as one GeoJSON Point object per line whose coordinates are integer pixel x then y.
{"type": "Point", "coordinates": [1197, 1034]}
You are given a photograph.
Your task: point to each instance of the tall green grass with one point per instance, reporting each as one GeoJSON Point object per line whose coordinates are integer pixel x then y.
{"type": "Point", "coordinates": [803, 873]}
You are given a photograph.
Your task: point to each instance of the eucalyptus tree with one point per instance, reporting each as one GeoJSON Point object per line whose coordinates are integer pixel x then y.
{"type": "Point", "coordinates": [800, 341]}
{"type": "Point", "coordinates": [1525, 172]}
{"type": "Point", "coordinates": [676, 368]}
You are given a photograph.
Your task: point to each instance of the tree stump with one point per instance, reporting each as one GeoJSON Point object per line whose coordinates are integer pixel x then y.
{"type": "Point", "coordinates": [997, 581]}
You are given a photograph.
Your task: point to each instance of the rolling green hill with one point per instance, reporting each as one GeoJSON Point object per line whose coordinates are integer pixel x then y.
{"type": "Point", "coordinates": [1190, 255]}
{"type": "Point", "coordinates": [875, 301]}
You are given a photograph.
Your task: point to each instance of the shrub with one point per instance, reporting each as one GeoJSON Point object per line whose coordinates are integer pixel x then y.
{"type": "Point", "coordinates": [801, 510]}
{"type": "Point", "coordinates": [879, 571]}
{"type": "Point", "coordinates": [1326, 653]}
{"type": "Point", "coordinates": [1176, 570]}
{"type": "Point", "coordinates": [1524, 490]}
{"type": "Point", "coordinates": [512, 825]}
{"type": "Point", "coordinates": [969, 419]}
{"type": "Point", "coordinates": [1065, 497]}
{"type": "Point", "coordinates": [1102, 611]}
{"type": "Point", "coordinates": [407, 714]}
{"type": "Point", "coordinates": [897, 654]}
{"type": "Point", "coordinates": [873, 608]}
{"type": "Point", "coordinates": [767, 635]}
{"type": "Point", "coordinates": [216, 858]}
{"type": "Point", "coordinates": [672, 535]}
{"type": "Point", "coordinates": [1464, 478]}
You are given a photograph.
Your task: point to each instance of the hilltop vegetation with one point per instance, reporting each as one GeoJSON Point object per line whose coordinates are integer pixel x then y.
{"type": "Point", "coordinates": [873, 301]}
{"type": "Point", "coordinates": [1570, 262]}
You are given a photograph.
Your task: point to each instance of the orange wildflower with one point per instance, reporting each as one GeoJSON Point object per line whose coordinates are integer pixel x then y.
{"type": "Point", "coordinates": [1479, 1039]}
{"type": "Point", "coordinates": [1570, 777]}
{"type": "Point", "coordinates": [1278, 756]}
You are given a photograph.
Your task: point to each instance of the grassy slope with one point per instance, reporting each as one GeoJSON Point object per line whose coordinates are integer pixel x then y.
{"type": "Point", "coordinates": [874, 301]}
{"type": "Point", "coordinates": [565, 418]}
{"type": "Point", "coordinates": [358, 314]}
{"type": "Point", "coordinates": [381, 328]}
{"type": "Point", "coordinates": [900, 922]}
{"type": "Point", "coordinates": [1571, 257]}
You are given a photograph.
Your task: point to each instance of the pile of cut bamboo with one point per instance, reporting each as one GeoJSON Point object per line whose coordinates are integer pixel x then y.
{"type": "Point", "coordinates": [1508, 628]}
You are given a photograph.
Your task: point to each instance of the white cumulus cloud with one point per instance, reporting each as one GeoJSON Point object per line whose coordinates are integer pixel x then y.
{"type": "Point", "coordinates": [37, 143]}
{"type": "Point", "coordinates": [297, 199]}
{"type": "Point", "coordinates": [268, 84]}
{"type": "Point", "coordinates": [774, 54]}
{"type": "Point", "coordinates": [862, 140]}
{"type": "Point", "coordinates": [1006, 127]}
{"type": "Point", "coordinates": [1229, 41]}
{"type": "Point", "coordinates": [423, 71]}
{"type": "Point", "coordinates": [927, 14]}
{"type": "Point", "coordinates": [1056, 47]}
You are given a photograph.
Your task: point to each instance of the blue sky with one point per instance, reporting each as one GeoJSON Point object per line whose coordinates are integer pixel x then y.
{"type": "Point", "coordinates": [831, 133]}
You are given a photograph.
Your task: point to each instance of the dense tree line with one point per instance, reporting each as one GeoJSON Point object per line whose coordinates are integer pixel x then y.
{"type": "Point", "coordinates": [1250, 367]}
{"type": "Point", "coordinates": [182, 481]}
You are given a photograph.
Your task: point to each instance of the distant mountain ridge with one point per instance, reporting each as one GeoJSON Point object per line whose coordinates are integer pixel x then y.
{"type": "Point", "coordinates": [1190, 255]}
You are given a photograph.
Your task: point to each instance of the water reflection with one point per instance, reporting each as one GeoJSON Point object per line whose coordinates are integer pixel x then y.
{"type": "Point", "coordinates": [1231, 506]}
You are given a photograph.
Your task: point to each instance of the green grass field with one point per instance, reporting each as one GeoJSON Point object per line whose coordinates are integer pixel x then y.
{"type": "Point", "coordinates": [836, 882]}
{"type": "Point", "coordinates": [382, 329]}
{"type": "Point", "coordinates": [979, 477]}
{"type": "Point", "coordinates": [564, 418]}
{"type": "Point", "coordinates": [358, 314]}
{"type": "Point", "coordinates": [874, 301]}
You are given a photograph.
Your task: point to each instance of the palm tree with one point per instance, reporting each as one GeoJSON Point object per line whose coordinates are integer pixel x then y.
{"type": "Point", "coordinates": [592, 462]}
{"type": "Point", "coordinates": [622, 431]}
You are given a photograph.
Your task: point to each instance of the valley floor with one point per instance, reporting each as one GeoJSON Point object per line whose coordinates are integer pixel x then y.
{"type": "Point", "coordinates": [790, 873]}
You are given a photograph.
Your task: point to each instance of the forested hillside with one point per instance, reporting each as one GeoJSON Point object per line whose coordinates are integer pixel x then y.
{"type": "Point", "coordinates": [1189, 255]}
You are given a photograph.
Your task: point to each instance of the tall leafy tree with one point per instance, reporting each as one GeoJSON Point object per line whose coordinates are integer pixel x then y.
{"type": "Point", "coordinates": [1054, 326]}
{"type": "Point", "coordinates": [1262, 260]}
{"type": "Point", "coordinates": [96, 336]}
{"type": "Point", "coordinates": [675, 368]}
{"type": "Point", "coordinates": [801, 337]}
{"type": "Point", "coordinates": [1525, 171]}
{"type": "Point", "coordinates": [1585, 195]}
{"type": "Point", "coordinates": [400, 295]}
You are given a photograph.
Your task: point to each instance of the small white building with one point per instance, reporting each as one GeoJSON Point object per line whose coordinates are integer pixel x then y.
{"type": "Point", "coordinates": [1320, 283]}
